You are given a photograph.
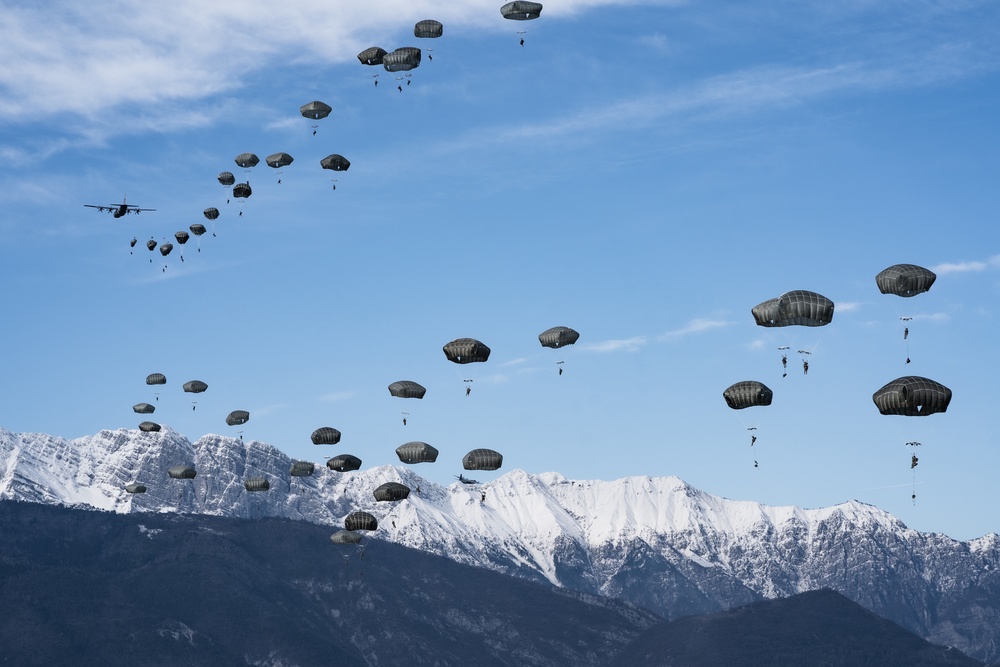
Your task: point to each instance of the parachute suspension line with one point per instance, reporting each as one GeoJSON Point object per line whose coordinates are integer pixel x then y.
{"type": "Point", "coordinates": [906, 336]}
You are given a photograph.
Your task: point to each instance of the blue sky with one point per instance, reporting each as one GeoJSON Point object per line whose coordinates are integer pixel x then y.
{"type": "Point", "coordinates": [642, 172]}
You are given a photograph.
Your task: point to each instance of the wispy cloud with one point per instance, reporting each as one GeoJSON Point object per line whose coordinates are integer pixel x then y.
{"type": "Point", "coordinates": [617, 345]}
{"type": "Point", "coordinates": [697, 325]}
{"type": "Point", "coordinates": [337, 396]}
{"type": "Point", "coordinates": [848, 306]}
{"type": "Point", "coordinates": [968, 267]}
{"type": "Point", "coordinates": [514, 362]}
{"type": "Point", "coordinates": [939, 318]}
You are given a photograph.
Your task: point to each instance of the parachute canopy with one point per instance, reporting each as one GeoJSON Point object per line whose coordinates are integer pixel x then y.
{"type": "Point", "coordinates": [211, 213]}
{"type": "Point", "coordinates": [325, 435]}
{"type": "Point", "coordinates": [182, 237]}
{"type": "Point", "coordinates": [344, 463]}
{"type": "Point", "coordinates": [335, 162]}
{"type": "Point", "coordinates": [237, 417]}
{"type": "Point", "coordinates": [143, 408]}
{"type": "Point", "coordinates": [156, 378]}
{"type": "Point", "coordinates": [391, 491]}
{"type": "Point", "coordinates": [254, 484]}
{"type": "Point", "coordinates": [372, 55]}
{"type": "Point", "coordinates": [905, 280]}
{"type": "Point", "coordinates": [798, 307]}
{"type": "Point", "coordinates": [166, 248]}
{"type": "Point", "coordinates": [747, 394]}
{"type": "Point", "coordinates": [149, 427]}
{"type": "Point", "coordinates": [912, 396]}
{"type": "Point", "coordinates": [182, 472]}
{"type": "Point", "coordinates": [557, 337]}
{"type": "Point", "coordinates": [278, 160]}
{"type": "Point", "coordinates": [315, 110]}
{"type": "Point", "coordinates": [360, 521]}
{"type": "Point", "coordinates": [302, 469]}
{"type": "Point", "coordinates": [135, 487]}
{"type": "Point", "coordinates": [195, 387]}
{"type": "Point", "coordinates": [428, 28]}
{"type": "Point", "coordinates": [482, 459]}
{"type": "Point", "coordinates": [345, 537]}
{"type": "Point", "coordinates": [402, 59]}
{"type": "Point", "coordinates": [466, 351]}
{"type": "Point", "coordinates": [151, 244]}
{"type": "Point", "coordinates": [407, 389]}
{"type": "Point", "coordinates": [247, 160]}
{"type": "Point", "coordinates": [521, 10]}
{"type": "Point", "coordinates": [242, 190]}
{"type": "Point", "coordinates": [416, 452]}
{"type": "Point", "coordinates": [197, 229]}
{"type": "Point", "coordinates": [227, 178]}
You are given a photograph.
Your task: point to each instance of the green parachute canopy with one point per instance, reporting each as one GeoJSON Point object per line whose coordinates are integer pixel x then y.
{"type": "Point", "coordinates": [135, 487]}
{"type": "Point", "coordinates": [360, 521]}
{"type": "Point", "coordinates": [195, 387]}
{"type": "Point", "coordinates": [557, 337]}
{"type": "Point", "coordinates": [798, 307]}
{"type": "Point", "coordinates": [912, 396]}
{"type": "Point", "coordinates": [278, 160]}
{"type": "Point", "coordinates": [182, 472]}
{"type": "Point", "coordinates": [247, 160]}
{"type": "Point", "coordinates": [237, 417]}
{"type": "Point", "coordinates": [482, 459]}
{"type": "Point", "coordinates": [521, 10]}
{"type": "Point", "coordinates": [402, 59]}
{"type": "Point", "coordinates": [747, 394]}
{"type": "Point", "coordinates": [373, 55]}
{"type": "Point", "coordinates": [144, 408]}
{"type": "Point", "coordinates": [407, 389]}
{"type": "Point", "coordinates": [315, 110]}
{"type": "Point", "coordinates": [416, 452]}
{"type": "Point", "coordinates": [156, 378]}
{"type": "Point", "coordinates": [302, 469]}
{"type": "Point", "coordinates": [255, 484]}
{"type": "Point", "coordinates": [325, 435]}
{"type": "Point", "coordinates": [149, 427]}
{"type": "Point", "coordinates": [344, 463]}
{"type": "Point", "coordinates": [428, 29]}
{"type": "Point", "coordinates": [391, 491]}
{"type": "Point", "coordinates": [905, 280]}
{"type": "Point", "coordinates": [466, 351]}
{"type": "Point", "coordinates": [335, 162]}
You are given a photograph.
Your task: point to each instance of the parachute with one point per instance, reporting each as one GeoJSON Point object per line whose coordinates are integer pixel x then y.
{"type": "Point", "coordinates": [345, 537]}
{"type": "Point", "coordinates": [195, 387]}
{"type": "Point", "coordinates": [798, 307]}
{"type": "Point", "coordinates": [416, 452]}
{"type": "Point", "coordinates": [247, 160]}
{"type": "Point", "coordinates": [143, 408]}
{"type": "Point", "coordinates": [344, 463]}
{"type": "Point", "coordinates": [557, 337]}
{"type": "Point", "coordinates": [135, 487]}
{"type": "Point", "coordinates": [302, 469]}
{"type": "Point", "coordinates": [279, 160]}
{"type": "Point", "coordinates": [226, 178]}
{"type": "Point", "coordinates": [237, 417]}
{"type": "Point", "coordinates": [360, 521]}
{"type": "Point", "coordinates": [197, 229]}
{"type": "Point", "coordinates": [466, 351]}
{"type": "Point", "coordinates": [166, 248]}
{"type": "Point", "coordinates": [181, 237]}
{"type": "Point", "coordinates": [335, 162]}
{"type": "Point", "coordinates": [747, 394]}
{"type": "Point", "coordinates": [242, 190]}
{"type": "Point", "coordinates": [254, 484]}
{"type": "Point", "coordinates": [372, 55]}
{"type": "Point", "coordinates": [482, 459]}
{"type": "Point", "coordinates": [315, 110]}
{"type": "Point", "coordinates": [407, 389]}
{"type": "Point", "coordinates": [905, 280]}
{"type": "Point", "coordinates": [149, 427]}
{"type": "Point", "coordinates": [428, 29]}
{"type": "Point", "coordinates": [156, 378]}
{"type": "Point", "coordinates": [402, 59]}
{"type": "Point", "coordinates": [325, 435]}
{"type": "Point", "coordinates": [211, 213]}
{"type": "Point", "coordinates": [391, 491]}
{"type": "Point", "coordinates": [912, 396]}
{"type": "Point", "coordinates": [151, 244]}
{"type": "Point", "coordinates": [519, 10]}
{"type": "Point", "coordinates": [182, 472]}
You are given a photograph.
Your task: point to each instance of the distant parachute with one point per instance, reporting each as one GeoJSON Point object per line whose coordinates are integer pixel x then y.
{"type": "Point", "coordinates": [345, 537]}
{"type": "Point", "coordinates": [407, 389]}
{"type": "Point", "coordinates": [278, 160]}
{"type": "Point", "coordinates": [247, 160]}
{"type": "Point", "coordinates": [315, 110]}
{"type": "Point", "coordinates": [181, 237]}
{"type": "Point", "coordinates": [466, 351]}
{"type": "Point", "coordinates": [344, 463]}
{"type": "Point", "coordinates": [416, 452]}
{"type": "Point", "coordinates": [242, 190]}
{"type": "Point", "coordinates": [302, 469]}
{"type": "Point", "coordinates": [360, 521]}
{"type": "Point", "coordinates": [255, 484]}
{"type": "Point", "coordinates": [391, 492]}
{"type": "Point", "coordinates": [226, 178]}
{"type": "Point", "coordinates": [237, 417]}
{"type": "Point", "coordinates": [149, 427]}
{"type": "Point", "coordinates": [166, 248]}
{"type": "Point", "coordinates": [747, 394]}
{"type": "Point", "coordinates": [197, 229]}
{"type": "Point", "coordinates": [402, 59]}
{"type": "Point", "coordinates": [325, 435]}
{"type": "Point", "coordinates": [156, 378]}
{"type": "Point", "coordinates": [798, 307]}
{"type": "Point", "coordinates": [151, 244]}
{"type": "Point", "coordinates": [335, 162]}
{"type": "Point", "coordinates": [557, 337]}
{"type": "Point", "coordinates": [182, 472]}
{"type": "Point", "coordinates": [482, 459]}
{"type": "Point", "coordinates": [372, 55]}
{"type": "Point", "coordinates": [135, 487]}
{"type": "Point", "coordinates": [905, 280]}
{"type": "Point", "coordinates": [211, 213]}
{"type": "Point", "coordinates": [521, 10]}
{"type": "Point", "coordinates": [143, 408]}
{"type": "Point", "coordinates": [428, 29]}
{"type": "Point", "coordinates": [912, 396]}
{"type": "Point", "coordinates": [195, 387]}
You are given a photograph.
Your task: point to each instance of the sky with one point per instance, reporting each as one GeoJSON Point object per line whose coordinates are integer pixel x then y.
{"type": "Point", "coordinates": [643, 172]}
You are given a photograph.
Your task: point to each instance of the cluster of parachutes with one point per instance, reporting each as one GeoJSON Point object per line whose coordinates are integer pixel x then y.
{"type": "Point", "coordinates": [910, 396]}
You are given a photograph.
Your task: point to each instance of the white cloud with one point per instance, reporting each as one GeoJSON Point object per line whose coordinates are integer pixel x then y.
{"type": "Point", "coordinates": [695, 326]}
{"type": "Point", "coordinates": [848, 306]}
{"type": "Point", "coordinates": [617, 345]}
{"type": "Point", "coordinates": [337, 396]}
{"type": "Point", "coordinates": [967, 267]}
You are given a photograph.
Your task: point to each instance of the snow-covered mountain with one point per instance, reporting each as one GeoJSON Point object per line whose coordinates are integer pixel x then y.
{"type": "Point", "coordinates": [657, 542]}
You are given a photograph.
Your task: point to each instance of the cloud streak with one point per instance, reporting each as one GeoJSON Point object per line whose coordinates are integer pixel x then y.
{"type": "Point", "coordinates": [968, 267]}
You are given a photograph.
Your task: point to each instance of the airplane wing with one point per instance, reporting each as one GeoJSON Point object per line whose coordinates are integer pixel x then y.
{"type": "Point", "coordinates": [137, 209]}
{"type": "Point", "coordinates": [101, 208]}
